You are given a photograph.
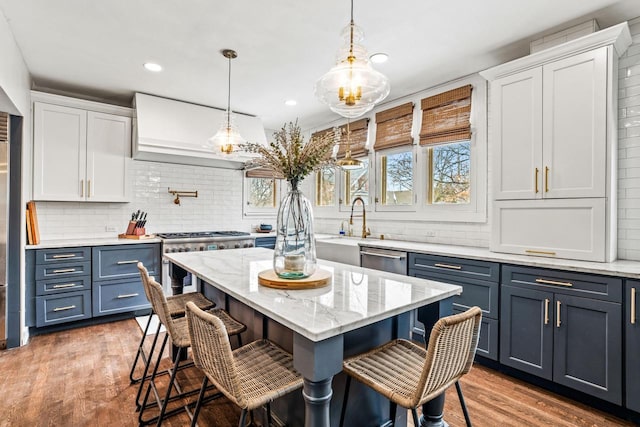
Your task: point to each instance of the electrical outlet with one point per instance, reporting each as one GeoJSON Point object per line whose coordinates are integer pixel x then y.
{"type": "Point", "coordinates": [430, 233]}
{"type": "Point", "coordinates": [109, 228]}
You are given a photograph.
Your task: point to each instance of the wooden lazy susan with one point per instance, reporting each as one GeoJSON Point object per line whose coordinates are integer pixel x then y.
{"type": "Point", "coordinates": [318, 279]}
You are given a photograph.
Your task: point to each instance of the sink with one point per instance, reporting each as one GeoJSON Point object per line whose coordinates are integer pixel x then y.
{"type": "Point", "coordinates": [339, 249]}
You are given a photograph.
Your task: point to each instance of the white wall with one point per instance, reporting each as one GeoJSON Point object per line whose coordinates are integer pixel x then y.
{"type": "Point", "coordinates": [629, 148]}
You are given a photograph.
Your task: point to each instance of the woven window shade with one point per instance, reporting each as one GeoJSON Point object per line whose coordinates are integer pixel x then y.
{"type": "Point", "coordinates": [4, 127]}
{"type": "Point", "coordinates": [445, 117]}
{"type": "Point", "coordinates": [357, 140]}
{"type": "Point", "coordinates": [393, 127]}
{"type": "Point", "coordinates": [260, 173]}
{"type": "Point", "coordinates": [320, 134]}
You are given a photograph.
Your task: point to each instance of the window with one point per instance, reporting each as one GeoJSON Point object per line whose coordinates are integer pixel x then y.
{"type": "Point", "coordinates": [396, 183]}
{"type": "Point", "coordinates": [261, 192]}
{"type": "Point", "coordinates": [356, 184]}
{"type": "Point", "coordinates": [325, 187]}
{"type": "Point", "coordinates": [449, 173]}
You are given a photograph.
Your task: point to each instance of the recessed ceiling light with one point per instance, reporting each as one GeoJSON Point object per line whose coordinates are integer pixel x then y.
{"type": "Point", "coordinates": [150, 66]}
{"type": "Point", "coordinates": [379, 58]}
{"type": "Point", "coordinates": [290, 102]}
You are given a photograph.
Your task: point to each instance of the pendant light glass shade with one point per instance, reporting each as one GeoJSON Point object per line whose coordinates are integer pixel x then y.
{"type": "Point", "coordinates": [352, 87]}
{"type": "Point", "coordinates": [347, 162]}
{"type": "Point", "coordinates": [228, 135]}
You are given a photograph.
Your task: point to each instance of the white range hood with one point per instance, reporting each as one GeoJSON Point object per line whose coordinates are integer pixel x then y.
{"type": "Point", "coordinates": [177, 132]}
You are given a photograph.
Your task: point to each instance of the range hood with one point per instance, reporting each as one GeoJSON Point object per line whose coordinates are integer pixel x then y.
{"type": "Point", "coordinates": [173, 131]}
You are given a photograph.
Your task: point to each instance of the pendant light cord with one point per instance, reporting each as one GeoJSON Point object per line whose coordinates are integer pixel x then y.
{"type": "Point", "coordinates": [351, 33]}
{"type": "Point", "coordinates": [229, 97]}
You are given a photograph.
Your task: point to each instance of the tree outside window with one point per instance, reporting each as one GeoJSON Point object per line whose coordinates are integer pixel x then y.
{"type": "Point", "coordinates": [357, 183]}
{"type": "Point", "coordinates": [450, 178]}
{"type": "Point", "coordinates": [262, 192]}
{"type": "Point", "coordinates": [397, 178]}
{"type": "Point", "coordinates": [325, 187]}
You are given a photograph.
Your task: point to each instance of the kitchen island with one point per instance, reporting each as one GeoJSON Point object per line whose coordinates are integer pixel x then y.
{"type": "Point", "coordinates": [359, 309]}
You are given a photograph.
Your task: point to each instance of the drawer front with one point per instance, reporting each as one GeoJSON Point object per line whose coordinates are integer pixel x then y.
{"type": "Point", "coordinates": [488, 339]}
{"type": "Point", "coordinates": [585, 285]}
{"type": "Point", "coordinates": [118, 262]}
{"type": "Point", "coordinates": [119, 296]}
{"type": "Point", "coordinates": [265, 242]}
{"type": "Point", "coordinates": [455, 267]}
{"type": "Point", "coordinates": [61, 308]}
{"type": "Point", "coordinates": [58, 285]}
{"type": "Point", "coordinates": [474, 292]}
{"type": "Point", "coordinates": [49, 256]}
{"type": "Point", "coordinates": [65, 270]}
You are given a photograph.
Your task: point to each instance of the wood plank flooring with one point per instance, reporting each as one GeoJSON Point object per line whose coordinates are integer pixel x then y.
{"type": "Point", "coordinates": [80, 378]}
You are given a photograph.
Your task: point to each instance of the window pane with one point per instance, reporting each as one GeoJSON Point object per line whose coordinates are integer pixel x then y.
{"type": "Point", "coordinates": [451, 166]}
{"type": "Point", "coordinates": [357, 183]}
{"type": "Point", "coordinates": [325, 187]}
{"type": "Point", "coordinates": [262, 192]}
{"type": "Point", "coordinates": [397, 179]}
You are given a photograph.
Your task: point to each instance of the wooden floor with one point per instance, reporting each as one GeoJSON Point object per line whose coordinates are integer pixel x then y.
{"type": "Point", "coordinates": [80, 378]}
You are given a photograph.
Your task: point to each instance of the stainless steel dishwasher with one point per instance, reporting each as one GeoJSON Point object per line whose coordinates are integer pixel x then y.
{"type": "Point", "coordinates": [383, 259]}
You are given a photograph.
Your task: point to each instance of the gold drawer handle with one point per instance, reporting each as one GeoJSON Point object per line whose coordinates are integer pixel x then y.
{"type": "Point", "coordinates": [64, 270]}
{"type": "Point", "coordinates": [531, 251]}
{"type": "Point", "coordinates": [133, 261]}
{"type": "Point", "coordinates": [69, 307]}
{"type": "Point", "coordinates": [546, 179]}
{"type": "Point", "coordinates": [128, 295]}
{"type": "Point", "coordinates": [449, 266]}
{"type": "Point", "coordinates": [537, 171]}
{"type": "Point", "coordinates": [633, 306]}
{"type": "Point", "coordinates": [66, 285]}
{"type": "Point", "coordinates": [558, 322]}
{"type": "Point", "coordinates": [64, 256]}
{"type": "Point", "coordinates": [546, 311]}
{"type": "Point", "coordinates": [553, 282]}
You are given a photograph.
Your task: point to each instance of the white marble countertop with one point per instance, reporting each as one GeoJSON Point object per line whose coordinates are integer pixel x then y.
{"type": "Point", "coordinates": [356, 297]}
{"type": "Point", "coordinates": [620, 268]}
{"type": "Point", "coordinates": [88, 241]}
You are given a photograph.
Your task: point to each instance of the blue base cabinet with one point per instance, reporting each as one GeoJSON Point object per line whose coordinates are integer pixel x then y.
{"type": "Point", "coordinates": [631, 323]}
{"type": "Point", "coordinates": [564, 327]}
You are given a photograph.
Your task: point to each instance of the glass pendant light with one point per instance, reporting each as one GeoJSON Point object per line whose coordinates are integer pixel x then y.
{"type": "Point", "coordinates": [228, 135]}
{"type": "Point", "coordinates": [352, 87]}
{"type": "Point", "coordinates": [347, 162]}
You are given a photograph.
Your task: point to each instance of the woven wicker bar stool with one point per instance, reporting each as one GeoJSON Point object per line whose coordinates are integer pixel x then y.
{"type": "Point", "coordinates": [251, 376]}
{"type": "Point", "coordinates": [176, 304]}
{"type": "Point", "coordinates": [408, 375]}
{"type": "Point", "coordinates": [178, 331]}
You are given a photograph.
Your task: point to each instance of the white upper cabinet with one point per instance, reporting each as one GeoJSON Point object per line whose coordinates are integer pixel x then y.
{"type": "Point", "coordinates": [549, 128]}
{"type": "Point", "coordinates": [80, 155]}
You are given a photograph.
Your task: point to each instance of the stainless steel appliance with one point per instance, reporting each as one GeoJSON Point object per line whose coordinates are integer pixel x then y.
{"type": "Point", "coordinates": [197, 241]}
{"type": "Point", "coordinates": [383, 259]}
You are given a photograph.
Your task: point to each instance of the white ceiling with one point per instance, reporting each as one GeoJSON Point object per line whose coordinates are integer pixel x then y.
{"type": "Point", "coordinates": [97, 48]}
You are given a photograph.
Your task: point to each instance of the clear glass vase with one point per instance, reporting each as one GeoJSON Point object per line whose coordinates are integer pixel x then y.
{"type": "Point", "coordinates": [294, 255]}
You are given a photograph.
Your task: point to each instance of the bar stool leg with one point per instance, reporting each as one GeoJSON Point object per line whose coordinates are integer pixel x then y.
{"type": "Point", "coordinates": [151, 382]}
{"type": "Point", "coordinates": [243, 418]}
{"type": "Point", "coordinates": [196, 411]}
{"type": "Point", "coordinates": [165, 402]}
{"type": "Point", "coordinates": [416, 420]}
{"type": "Point", "coordinates": [140, 349]}
{"type": "Point", "coordinates": [146, 367]}
{"type": "Point", "coordinates": [464, 406]}
{"type": "Point", "coordinates": [344, 401]}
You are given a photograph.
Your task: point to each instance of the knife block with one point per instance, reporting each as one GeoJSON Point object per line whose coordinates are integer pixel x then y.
{"type": "Point", "coordinates": [130, 228]}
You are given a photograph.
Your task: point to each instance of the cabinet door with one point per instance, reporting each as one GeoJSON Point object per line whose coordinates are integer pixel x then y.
{"type": "Point", "coordinates": [108, 155]}
{"type": "Point", "coordinates": [632, 345]}
{"type": "Point", "coordinates": [526, 330]}
{"type": "Point", "coordinates": [587, 347]}
{"type": "Point", "coordinates": [574, 137]}
{"type": "Point", "coordinates": [59, 152]}
{"type": "Point", "coordinates": [517, 132]}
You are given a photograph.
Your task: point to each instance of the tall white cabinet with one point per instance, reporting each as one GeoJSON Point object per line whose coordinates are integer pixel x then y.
{"type": "Point", "coordinates": [81, 150]}
{"type": "Point", "coordinates": [554, 147]}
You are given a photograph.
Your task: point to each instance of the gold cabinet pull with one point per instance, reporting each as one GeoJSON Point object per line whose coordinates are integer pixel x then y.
{"type": "Point", "coordinates": [66, 285]}
{"type": "Point", "coordinates": [69, 307]}
{"type": "Point", "coordinates": [133, 261]}
{"type": "Point", "coordinates": [558, 322]}
{"type": "Point", "coordinates": [633, 306]}
{"type": "Point", "coordinates": [546, 179]}
{"type": "Point", "coordinates": [64, 270]}
{"type": "Point", "coordinates": [58, 256]}
{"type": "Point", "coordinates": [554, 282]}
{"type": "Point", "coordinates": [537, 172]}
{"type": "Point", "coordinates": [449, 266]}
{"type": "Point", "coordinates": [82, 188]}
{"type": "Point", "coordinates": [546, 311]}
{"type": "Point", "coordinates": [128, 295]}
{"type": "Point", "coordinates": [531, 251]}
{"type": "Point", "coordinates": [88, 188]}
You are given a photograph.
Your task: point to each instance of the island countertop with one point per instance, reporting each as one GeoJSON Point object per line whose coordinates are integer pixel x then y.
{"type": "Point", "coordinates": [356, 296]}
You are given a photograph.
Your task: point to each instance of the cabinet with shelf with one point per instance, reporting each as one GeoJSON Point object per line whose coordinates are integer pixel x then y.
{"type": "Point", "coordinates": [80, 154]}
{"type": "Point", "coordinates": [632, 344]}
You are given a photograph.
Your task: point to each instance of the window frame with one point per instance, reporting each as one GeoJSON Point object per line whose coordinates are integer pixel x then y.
{"type": "Point", "coordinates": [345, 206]}
{"type": "Point", "coordinates": [250, 211]}
{"type": "Point", "coordinates": [379, 206]}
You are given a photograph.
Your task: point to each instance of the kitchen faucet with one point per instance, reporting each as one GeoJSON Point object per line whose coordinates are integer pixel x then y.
{"type": "Point", "coordinates": [365, 231]}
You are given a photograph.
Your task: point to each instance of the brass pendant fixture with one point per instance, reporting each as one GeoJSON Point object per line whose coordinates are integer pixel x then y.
{"type": "Point", "coordinates": [228, 135]}
{"type": "Point", "coordinates": [347, 162]}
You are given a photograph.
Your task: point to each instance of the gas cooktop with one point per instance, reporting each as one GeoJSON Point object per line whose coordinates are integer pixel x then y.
{"type": "Point", "coordinates": [202, 234]}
